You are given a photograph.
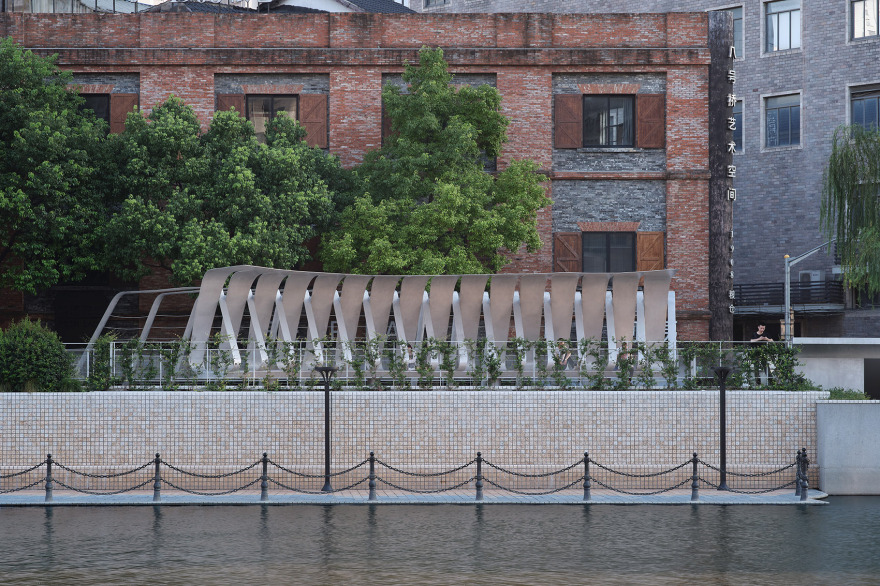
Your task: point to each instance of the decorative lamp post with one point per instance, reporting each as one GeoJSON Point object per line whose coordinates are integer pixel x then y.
{"type": "Point", "coordinates": [722, 372]}
{"type": "Point", "coordinates": [326, 373]}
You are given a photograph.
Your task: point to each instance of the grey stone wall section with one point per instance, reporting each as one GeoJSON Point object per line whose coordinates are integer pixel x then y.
{"type": "Point", "coordinates": [123, 83]}
{"type": "Point", "coordinates": [609, 160]}
{"type": "Point", "coordinates": [609, 201]}
{"type": "Point", "coordinates": [848, 446]}
{"type": "Point", "coordinates": [649, 83]}
{"type": "Point", "coordinates": [225, 83]}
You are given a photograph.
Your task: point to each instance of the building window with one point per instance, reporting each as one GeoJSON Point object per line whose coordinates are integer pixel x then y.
{"type": "Point", "coordinates": [864, 18]}
{"type": "Point", "coordinates": [866, 109]}
{"type": "Point", "coordinates": [99, 104]}
{"type": "Point", "coordinates": [738, 128]}
{"type": "Point", "coordinates": [609, 252]}
{"type": "Point", "coordinates": [782, 119]}
{"type": "Point", "coordinates": [262, 108]}
{"type": "Point", "coordinates": [737, 30]}
{"type": "Point", "coordinates": [430, 3]}
{"type": "Point", "coordinates": [783, 25]}
{"type": "Point", "coordinates": [608, 121]}
{"type": "Point", "coordinates": [613, 120]}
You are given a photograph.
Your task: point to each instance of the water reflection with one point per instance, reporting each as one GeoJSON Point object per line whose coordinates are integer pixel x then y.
{"type": "Point", "coordinates": [446, 544]}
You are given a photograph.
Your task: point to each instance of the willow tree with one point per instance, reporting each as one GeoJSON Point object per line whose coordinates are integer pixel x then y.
{"type": "Point", "coordinates": [850, 210]}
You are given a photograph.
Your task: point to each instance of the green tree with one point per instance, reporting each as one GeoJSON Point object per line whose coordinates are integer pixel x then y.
{"type": "Point", "coordinates": [850, 208]}
{"type": "Point", "coordinates": [426, 204]}
{"type": "Point", "coordinates": [50, 153]}
{"type": "Point", "coordinates": [198, 201]}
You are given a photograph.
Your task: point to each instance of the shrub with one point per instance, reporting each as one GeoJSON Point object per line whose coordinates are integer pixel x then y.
{"type": "Point", "coordinates": [32, 358]}
{"type": "Point", "coordinates": [841, 394]}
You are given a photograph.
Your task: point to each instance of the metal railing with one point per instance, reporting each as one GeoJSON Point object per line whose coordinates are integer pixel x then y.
{"type": "Point", "coordinates": [773, 294]}
{"type": "Point", "coordinates": [373, 473]}
{"type": "Point", "coordinates": [517, 363]}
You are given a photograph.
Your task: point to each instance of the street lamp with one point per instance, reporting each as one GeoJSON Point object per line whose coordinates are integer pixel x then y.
{"type": "Point", "coordinates": [722, 372]}
{"type": "Point", "coordinates": [789, 262]}
{"type": "Point", "coordinates": [326, 373]}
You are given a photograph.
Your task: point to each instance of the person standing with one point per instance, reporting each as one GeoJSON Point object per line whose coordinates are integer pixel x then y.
{"type": "Point", "coordinates": [760, 336]}
{"type": "Point", "coordinates": [761, 365]}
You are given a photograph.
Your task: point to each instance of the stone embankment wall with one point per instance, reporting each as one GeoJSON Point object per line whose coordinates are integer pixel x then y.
{"type": "Point", "coordinates": [849, 446]}
{"type": "Point", "coordinates": [527, 431]}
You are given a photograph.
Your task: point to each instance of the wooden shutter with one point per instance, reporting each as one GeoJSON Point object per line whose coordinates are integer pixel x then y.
{"type": "Point", "coordinates": [227, 101]}
{"type": "Point", "coordinates": [569, 123]}
{"type": "Point", "coordinates": [120, 106]}
{"type": "Point", "coordinates": [649, 251]}
{"type": "Point", "coordinates": [313, 117]}
{"type": "Point", "coordinates": [567, 252]}
{"type": "Point", "coordinates": [650, 121]}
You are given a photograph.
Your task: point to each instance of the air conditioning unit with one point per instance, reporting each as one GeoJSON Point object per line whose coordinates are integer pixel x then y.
{"type": "Point", "coordinates": [811, 276]}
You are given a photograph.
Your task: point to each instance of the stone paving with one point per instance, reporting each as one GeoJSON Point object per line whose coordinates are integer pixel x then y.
{"type": "Point", "coordinates": [394, 497]}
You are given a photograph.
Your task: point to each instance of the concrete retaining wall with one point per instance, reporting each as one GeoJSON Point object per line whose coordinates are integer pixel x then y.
{"type": "Point", "coordinates": [636, 430]}
{"type": "Point", "coordinates": [836, 362]}
{"type": "Point", "coordinates": [848, 440]}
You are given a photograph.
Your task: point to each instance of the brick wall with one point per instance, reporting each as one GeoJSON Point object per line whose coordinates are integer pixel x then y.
{"type": "Point", "coordinates": [528, 55]}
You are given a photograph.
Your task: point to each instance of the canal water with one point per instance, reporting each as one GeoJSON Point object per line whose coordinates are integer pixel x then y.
{"type": "Point", "coordinates": [443, 544]}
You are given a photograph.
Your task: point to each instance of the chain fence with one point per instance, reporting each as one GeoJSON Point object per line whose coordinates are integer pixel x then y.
{"type": "Point", "coordinates": [374, 475]}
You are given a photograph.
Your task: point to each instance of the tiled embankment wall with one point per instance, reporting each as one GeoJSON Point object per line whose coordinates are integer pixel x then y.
{"type": "Point", "coordinates": [526, 431]}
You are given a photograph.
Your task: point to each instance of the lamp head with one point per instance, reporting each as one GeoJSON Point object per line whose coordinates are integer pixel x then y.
{"type": "Point", "coordinates": [326, 372]}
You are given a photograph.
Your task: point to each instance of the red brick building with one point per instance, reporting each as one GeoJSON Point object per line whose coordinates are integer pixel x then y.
{"type": "Point", "coordinates": [614, 108]}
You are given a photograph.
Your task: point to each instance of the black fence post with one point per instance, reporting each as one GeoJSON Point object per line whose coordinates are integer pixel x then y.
{"type": "Point", "coordinates": [264, 479]}
{"type": "Point", "coordinates": [372, 476]}
{"type": "Point", "coordinates": [479, 483]}
{"type": "Point", "coordinates": [797, 475]}
{"type": "Point", "coordinates": [157, 480]}
{"type": "Point", "coordinates": [805, 462]}
{"type": "Point", "coordinates": [587, 476]}
{"type": "Point", "coordinates": [695, 485]}
{"type": "Point", "coordinates": [49, 478]}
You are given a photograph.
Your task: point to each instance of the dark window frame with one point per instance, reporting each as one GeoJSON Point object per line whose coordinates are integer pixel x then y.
{"type": "Point", "coordinates": [106, 108]}
{"type": "Point", "coordinates": [633, 246]}
{"type": "Point", "coordinates": [867, 100]}
{"type": "Point", "coordinates": [853, 26]}
{"type": "Point", "coordinates": [605, 141]}
{"type": "Point", "coordinates": [738, 29]}
{"type": "Point", "coordinates": [772, 44]}
{"type": "Point", "coordinates": [783, 111]}
{"type": "Point", "coordinates": [738, 131]}
{"type": "Point", "coordinates": [272, 109]}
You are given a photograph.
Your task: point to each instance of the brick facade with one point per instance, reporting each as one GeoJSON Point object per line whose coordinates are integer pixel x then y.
{"type": "Point", "coordinates": [532, 58]}
{"type": "Point", "coordinates": [778, 189]}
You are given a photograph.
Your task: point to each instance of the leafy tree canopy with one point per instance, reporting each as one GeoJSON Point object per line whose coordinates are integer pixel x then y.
{"type": "Point", "coordinates": [426, 205]}
{"type": "Point", "coordinates": [199, 201]}
{"type": "Point", "coordinates": [50, 151]}
{"type": "Point", "coordinates": [850, 208]}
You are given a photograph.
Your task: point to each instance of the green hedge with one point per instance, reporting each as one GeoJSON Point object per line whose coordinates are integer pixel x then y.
{"type": "Point", "coordinates": [32, 358]}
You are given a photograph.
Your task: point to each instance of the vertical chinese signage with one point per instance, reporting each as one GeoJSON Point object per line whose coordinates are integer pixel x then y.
{"type": "Point", "coordinates": [731, 168]}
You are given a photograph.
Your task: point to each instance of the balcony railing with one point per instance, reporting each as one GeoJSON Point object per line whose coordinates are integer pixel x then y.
{"type": "Point", "coordinates": [818, 297]}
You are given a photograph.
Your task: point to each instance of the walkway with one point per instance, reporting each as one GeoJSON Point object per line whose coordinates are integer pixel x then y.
{"type": "Point", "coordinates": [392, 497]}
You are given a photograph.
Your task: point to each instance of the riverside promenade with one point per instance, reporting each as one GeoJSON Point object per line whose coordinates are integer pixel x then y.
{"type": "Point", "coordinates": [395, 497]}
